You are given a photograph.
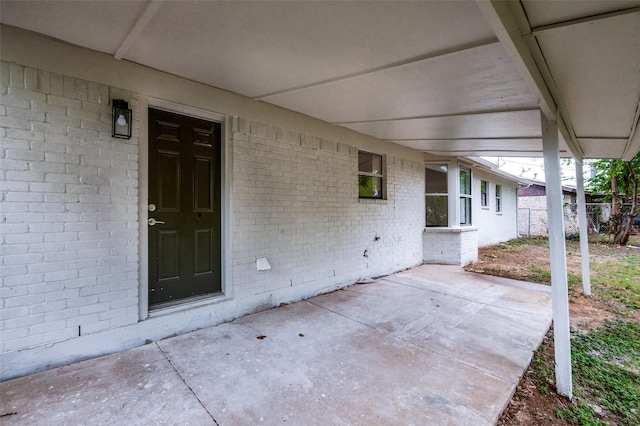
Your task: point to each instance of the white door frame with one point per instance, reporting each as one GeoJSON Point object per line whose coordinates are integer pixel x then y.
{"type": "Point", "coordinates": [143, 189]}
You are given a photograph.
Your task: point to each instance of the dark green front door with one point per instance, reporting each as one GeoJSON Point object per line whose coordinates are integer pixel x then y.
{"type": "Point", "coordinates": [184, 207]}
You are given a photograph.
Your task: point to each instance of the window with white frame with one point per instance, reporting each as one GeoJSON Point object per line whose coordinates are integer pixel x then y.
{"type": "Point", "coordinates": [465, 196]}
{"type": "Point", "coordinates": [436, 195]}
{"type": "Point", "coordinates": [484, 196]}
{"type": "Point", "coordinates": [370, 175]}
{"type": "Point", "coordinates": [498, 198]}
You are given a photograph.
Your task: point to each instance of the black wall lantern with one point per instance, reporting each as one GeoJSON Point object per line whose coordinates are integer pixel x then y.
{"type": "Point", "coordinates": [121, 119]}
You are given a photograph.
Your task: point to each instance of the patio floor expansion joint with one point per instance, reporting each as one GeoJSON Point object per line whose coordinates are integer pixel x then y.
{"type": "Point", "coordinates": [202, 404]}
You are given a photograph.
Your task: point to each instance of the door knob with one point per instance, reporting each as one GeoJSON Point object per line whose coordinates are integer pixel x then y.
{"type": "Point", "coordinates": [152, 222]}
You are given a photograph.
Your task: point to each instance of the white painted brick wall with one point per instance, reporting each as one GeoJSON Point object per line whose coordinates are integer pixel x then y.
{"type": "Point", "coordinates": [296, 203]}
{"type": "Point", "coordinates": [450, 246]}
{"type": "Point", "coordinates": [69, 206]}
{"type": "Point", "coordinates": [494, 227]}
{"type": "Point", "coordinates": [69, 221]}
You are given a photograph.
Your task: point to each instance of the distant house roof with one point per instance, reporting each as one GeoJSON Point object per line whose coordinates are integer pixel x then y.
{"type": "Point", "coordinates": [532, 188]}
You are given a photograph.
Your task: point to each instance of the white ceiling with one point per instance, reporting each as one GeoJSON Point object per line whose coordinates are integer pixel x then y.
{"type": "Point", "coordinates": [456, 77]}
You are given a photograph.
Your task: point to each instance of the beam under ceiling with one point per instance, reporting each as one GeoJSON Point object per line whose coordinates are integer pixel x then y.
{"type": "Point", "coordinates": [417, 59]}
{"type": "Point", "coordinates": [507, 27]}
{"type": "Point", "coordinates": [421, 117]}
{"type": "Point", "coordinates": [633, 143]}
{"type": "Point", "coordinates": [142, 22]}
{"type": "Point", "coordinates": [546, 28]}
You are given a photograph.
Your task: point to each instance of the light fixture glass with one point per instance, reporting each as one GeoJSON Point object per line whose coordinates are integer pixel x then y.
{"type": "Point", "coordinates": [121, 119]}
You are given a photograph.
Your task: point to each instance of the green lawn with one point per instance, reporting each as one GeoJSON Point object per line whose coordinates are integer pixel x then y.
{"type": "Point", "coordinates": [606, 362]}
{"type": "Point", "coordinates": [606, 374]}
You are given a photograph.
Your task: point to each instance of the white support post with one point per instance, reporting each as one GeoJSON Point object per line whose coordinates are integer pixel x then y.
{"type": "Point", "coordinates": [558, 255]}
{"type": "Point", "coordinates": [584, 234]}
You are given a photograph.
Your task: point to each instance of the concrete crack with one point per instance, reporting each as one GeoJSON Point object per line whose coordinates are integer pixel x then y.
{"type": "Point", "coordinates": [342, 315]}
{"type": "Point", "coordinates": [187, 384]}
{"type": "Point", "coordinates": [409, 342]}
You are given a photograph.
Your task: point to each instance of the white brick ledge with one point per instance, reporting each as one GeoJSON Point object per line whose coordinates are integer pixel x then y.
{"type": "Point", "coordinates": [372, 201]}
{"type": "Point", "coordinates": [449, 230]}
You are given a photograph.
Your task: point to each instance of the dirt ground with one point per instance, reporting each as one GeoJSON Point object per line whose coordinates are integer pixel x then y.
{"type": "Point", "coordinates": [529, 406]}
{"type": "Point", "coordinates": [515, 262]}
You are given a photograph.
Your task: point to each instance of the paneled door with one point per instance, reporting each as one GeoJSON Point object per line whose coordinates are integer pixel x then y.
{"type": "Point", "coordinates": [184, 207]}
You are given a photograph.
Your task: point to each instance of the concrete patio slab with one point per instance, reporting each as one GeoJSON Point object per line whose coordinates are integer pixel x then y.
{"type": "Point", "coordinates": [133, 387]}
{"type": "Point", "coordinates": [431, 345]}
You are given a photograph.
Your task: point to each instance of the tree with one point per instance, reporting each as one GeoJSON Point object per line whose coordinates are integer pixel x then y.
{"type": "Point", "coordinates": [618, 181]}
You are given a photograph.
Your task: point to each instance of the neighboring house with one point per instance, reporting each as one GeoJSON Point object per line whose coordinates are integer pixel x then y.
{"type": "Point", "coordinates": [532, 209]}
{"type": "Point", "coordinates": [201, 217]}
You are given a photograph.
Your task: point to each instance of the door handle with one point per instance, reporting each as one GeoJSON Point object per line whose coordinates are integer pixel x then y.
{"type": "Point", "coordinates": [152, 222]}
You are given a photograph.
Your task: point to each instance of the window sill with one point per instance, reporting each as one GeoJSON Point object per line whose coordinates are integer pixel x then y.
{"type": "Point", "coordinates": [485, 208]}
{"type": "Point", "coordinates": [449, 230]}
{"type": "Point", "coordinates": [371, 201]}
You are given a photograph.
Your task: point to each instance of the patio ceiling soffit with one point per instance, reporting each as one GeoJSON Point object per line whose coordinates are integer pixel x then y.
{"type": "Point", "coordinates": [510, 23]}
{"type": "Point", "coordinates": [470, 94]}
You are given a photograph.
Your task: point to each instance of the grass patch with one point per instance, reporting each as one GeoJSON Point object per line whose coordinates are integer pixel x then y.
{"type": "Point", "coordinates": [540, 275]}
{"type": "Point", "coordinates": [618, 283]}
{"type": "Point", "coordinates": [515, 245]}
{"type": "Point", "coordinates": [606, 367]}
{"type": "Point", "coordinates": [496, 271]}
{"type": "Point", "coordinates": [528, 241]}
{"type": "Point", "coordinates": [582, 414]}
{"type": "Point", "coordinates": [634, 240]}
{"type": "Point", "coordinates": [543, 371]}
{"type": "Point", "coordinates": [606, 374]}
